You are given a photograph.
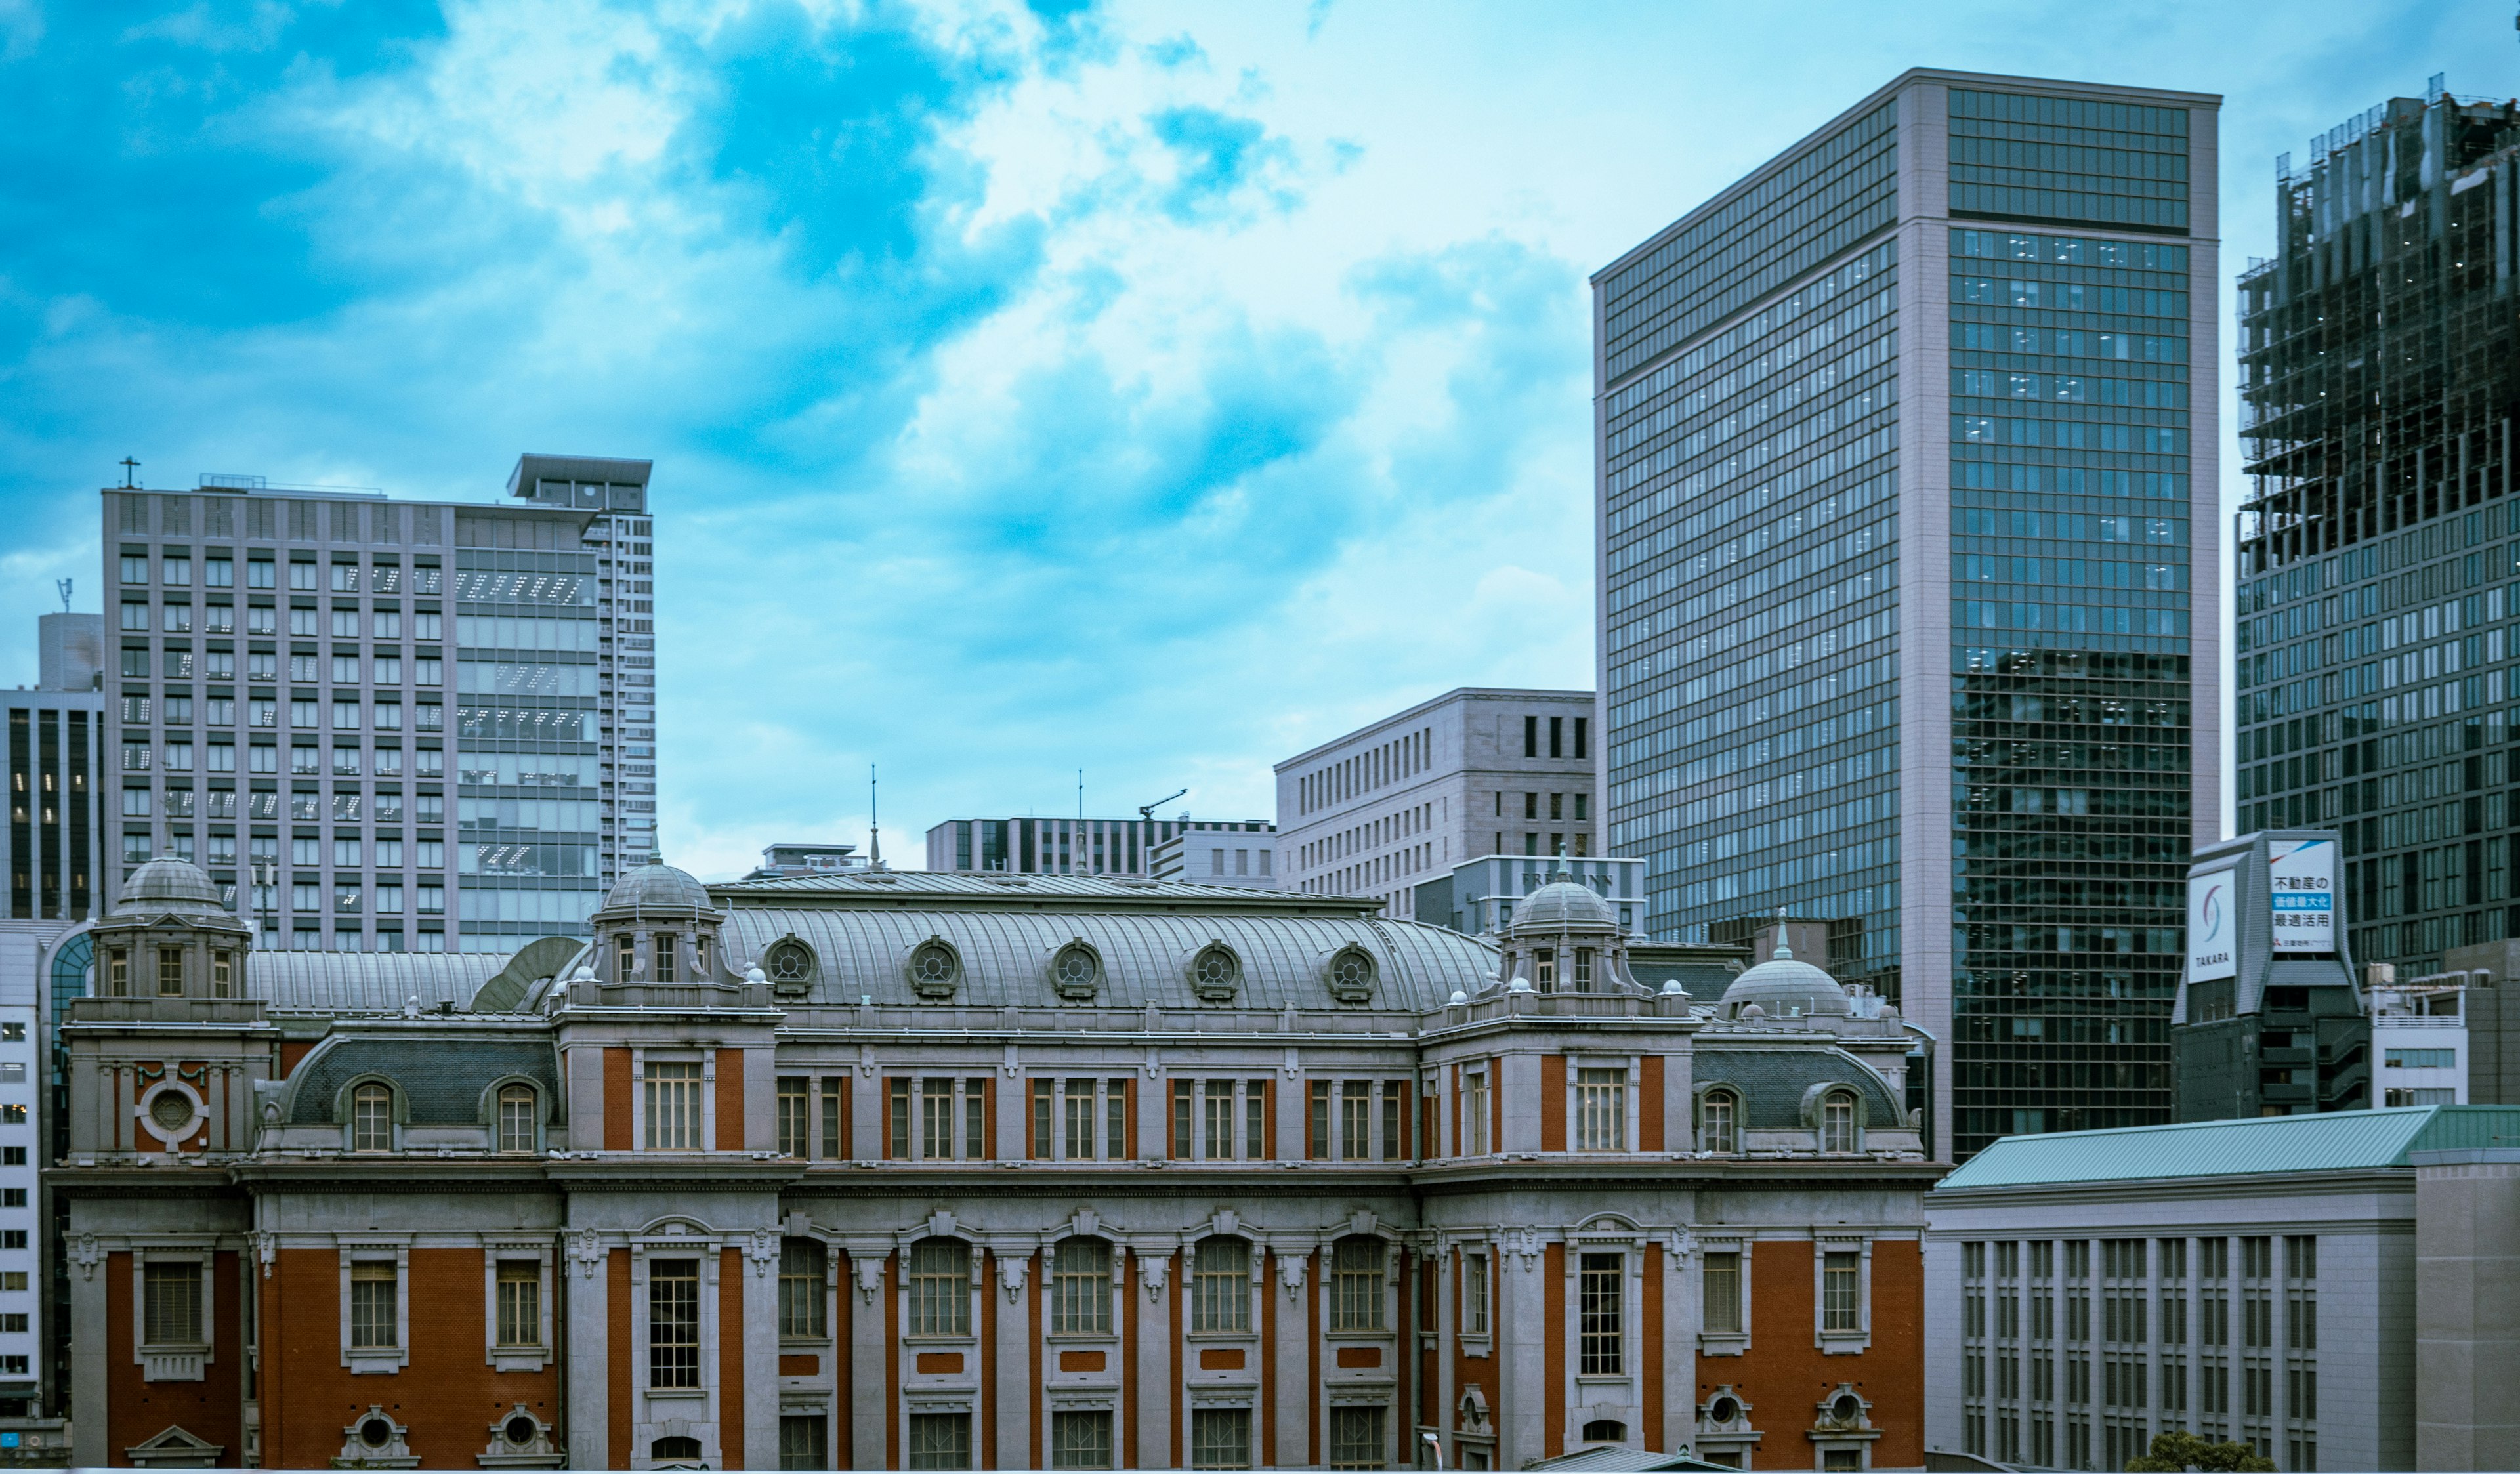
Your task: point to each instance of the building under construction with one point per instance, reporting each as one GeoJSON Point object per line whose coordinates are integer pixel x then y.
{"type": "Point", "coordinates": [2378, 377]}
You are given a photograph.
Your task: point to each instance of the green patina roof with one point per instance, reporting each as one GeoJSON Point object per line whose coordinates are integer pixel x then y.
{"type": "Point", "coordinates": [2336, 1141]}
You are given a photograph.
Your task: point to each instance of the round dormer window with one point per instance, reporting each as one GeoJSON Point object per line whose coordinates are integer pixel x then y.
{"type": "Point", "coordinates": [1074, 972]}
{"type": "Point", "coordinates": [1350, 975]}
{"type": "Point", "coordinates": [934, 968]}
{"type": "Point", "coordinates": [790, 963]}
{"type": "Point", "coordinates": [1215, 972]}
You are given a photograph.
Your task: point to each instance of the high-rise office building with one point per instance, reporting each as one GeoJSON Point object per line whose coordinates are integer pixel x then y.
{"type": "Point", "coordinates": [1906, 562]}
{"type": "Point", "coordinates": [2379, 362]}
{"type": "Point", "coordinates": [279, 707]}
{"type": "Point", "coordinates": [1399, 802]}
{"type": "Point", "coordinates": [1067, 846]}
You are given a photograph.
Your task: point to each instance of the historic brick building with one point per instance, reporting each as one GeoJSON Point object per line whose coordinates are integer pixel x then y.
{"type": "Point", "coordinates": [883, 1170]}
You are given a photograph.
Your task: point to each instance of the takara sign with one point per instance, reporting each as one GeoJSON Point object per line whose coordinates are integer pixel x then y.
{"type": "Point", "coordinates": [2301, 881]}
{"type": "Point", "coordinates": [2212, 920]}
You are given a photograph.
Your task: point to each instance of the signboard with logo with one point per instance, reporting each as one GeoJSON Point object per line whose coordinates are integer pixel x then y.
{"type": "Point", "coordinates": [2213, 946]}
{"type": "Point", "coordinates": [2301, 884]}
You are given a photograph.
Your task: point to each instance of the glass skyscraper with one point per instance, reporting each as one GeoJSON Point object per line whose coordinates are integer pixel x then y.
{"type": "Point", "coordinates": [1905, 567]}
{"type": "Point", "coordinates": [2379, 361]}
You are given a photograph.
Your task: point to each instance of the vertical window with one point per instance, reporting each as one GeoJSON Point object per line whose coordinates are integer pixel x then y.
{"type": "Point", "coordinates": [171, 971]}
{"type": "Point", "coordinates": [1544, 963]}
{"type": "Point", "coordinates": [1356, 1285]}
{"type": "Point", "coordinates": [1474, 1113]}
{"type": "Point", "coordinates": [1220, 1438]}
{"type": "Point", "coordinates": [372, 1118]}
{"type": "Point", "coordinates": [795, 1116]}
{"type": "Point", "coordinates": [673, 1105]}
{"type": "Point", "coordinates": [940, 1287]}
{"type": "Point", "coordinates": [1080, 1287]}
{"type": "Point", "coordinates": [1355, 1121]}
{"type": "Point", "coordinates": [935, 1119]}
{"type": "Point", "coordinates": [626, 959]}
{"type": "Point", "coordinates": [1582, 970]}
{"type": "Point", "coordinates": [1182, 1143]}
{"type": "Point", "coordinates": [1115, 1119]}
{"type": "Point", "coordinates": [1722, 1277]}
{"type": "Point", "coordinates": [117, 971]}
{"type": "Point", "coordinates": [1080, 1440]}
{"type": "Point", "coordinates": [1602, 1303]}
{"type": "Point", "coordinates": [802, 1441]}
{"type": "Point", "coordinates": [975, 1118]}
{"type": "Point", "coordinates": [663, 947]}
{"type": "Point", "coordinates": [801, 1263]}
{"type": "Point", "coordinates": [1357, 1437]}
{"type": "Point", "coordinates": [521, 1303]}
{"type": "Point", "coordinates": [1715, 1117]}
{"type": "Point", "coordinates": [1319, 1135]}
{"type": "Point", "coordinates": [1841, 1293]}
{"type": "Point", "coordinates": [898, 1118]}
{"type": "Point", "coordinates": [171, 1308]}
{"type": "Point", "coordinates": [1217, 1117]}
{"type": "Point", "coordinates": [1080, 1120]}
{"type": "Point", "coordinates": [1475, 1294]}
{"type": "Point", "coordinates": [1837, 1123]}
{"type": "Point", "coordinates": [1220, 1285]}
{"type": "Point", "coordinates": [1042, 1097]}
{"type": "Point", "coordinates": [673, 1322]}
{"type": "Point", "coordinates": [1256, 1118]}
{"type": "Point", "coordinates": [836, 1146]}
{"type": "Point", "coordinates": [940, 1440]}
{"type": "Point", "coordinates": [1392, 1140]}
{"type": "Point", "coordinates": [1601, 1110]}
{"type": "Point", "coordinates": [373, 1310]}
{"type": "Point", "coordinates": [516, 1118]}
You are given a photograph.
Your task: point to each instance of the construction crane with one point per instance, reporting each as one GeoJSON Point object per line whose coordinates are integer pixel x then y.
{"type": "Point", "coordinates": [1146, 812]}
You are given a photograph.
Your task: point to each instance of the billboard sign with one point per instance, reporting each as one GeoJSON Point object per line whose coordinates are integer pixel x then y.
{"type": "Point", "coordinates": [2213, 946]}
{"type": "Point", "coordinates": [2301, 882]}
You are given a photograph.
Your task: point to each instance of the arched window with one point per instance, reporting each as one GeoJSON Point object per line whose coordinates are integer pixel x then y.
{"type": "Point", "coordinates": [1604, 1430]}
{"type": "Point", "coordinates": [1220, 1285]}
{"type": "Point", "coordinates": [1080, 1287]}
{"type": "Point", "coordinates": [516, 1118]}
{"type": "Point", "coordinates": [372, 1118]}
{"type": "Point", "coordinates": [675, 1449]}
{"type": "Point", "coordinates": [940, 1287]}
{"type": "Point", "coordinates": [1717, 1115]}
{"type": "Point", "coordinates": [1356, 1284]}
{"type": "Point", "coordinates": [1837, 1122]}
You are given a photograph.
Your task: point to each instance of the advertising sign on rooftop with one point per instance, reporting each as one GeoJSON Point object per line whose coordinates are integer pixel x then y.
{"type": "Point", "coordinates": [2301, 884]}
{"type": "Point", "coordinates": [2212, 922]}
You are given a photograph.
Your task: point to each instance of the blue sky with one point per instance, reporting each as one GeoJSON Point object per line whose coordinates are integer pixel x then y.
{"type": "Point", "coordinates": [1151, 389]}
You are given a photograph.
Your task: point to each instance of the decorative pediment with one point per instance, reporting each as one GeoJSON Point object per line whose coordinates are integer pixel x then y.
{"type": "Point", "coordinates": [175, 1448]}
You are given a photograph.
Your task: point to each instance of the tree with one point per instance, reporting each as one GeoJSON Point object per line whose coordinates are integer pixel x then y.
{"type": "Point", "coordinates": [2171, 1453]}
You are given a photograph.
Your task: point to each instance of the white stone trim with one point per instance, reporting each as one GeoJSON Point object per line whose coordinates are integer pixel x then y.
{"type": "Point", "coordinates": [515, 1357]}
{"type": "Point", "coordinates": [393, 1249]}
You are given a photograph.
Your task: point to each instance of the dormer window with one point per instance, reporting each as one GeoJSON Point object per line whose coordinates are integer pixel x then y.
{"type": "Point", "coordinates": [664, 950]}
{"type": "Point", "coordinates": [516, 1118]}
{"type": "Point", "coordinates": [372, 1118]}
{"type": "Point", "coordinates": [1837, 1122]}
{"type": "Point", "coordinates": [170, 972]}
{"type": "Point", "coordinates": [1715, 1123]}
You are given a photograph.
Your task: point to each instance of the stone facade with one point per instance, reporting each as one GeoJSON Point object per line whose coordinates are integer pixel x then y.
{"type": "Point", "coordinates": [884, 1169]}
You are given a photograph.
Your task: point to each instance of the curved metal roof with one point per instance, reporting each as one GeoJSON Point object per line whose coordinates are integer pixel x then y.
{"type": "Point", "coordinates": [1005, 949]}
{"type": "Point", "coordinates": [367, 982]}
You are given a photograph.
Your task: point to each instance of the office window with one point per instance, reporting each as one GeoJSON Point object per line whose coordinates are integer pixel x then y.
{"type": "Point", "coordinates": [801, 1289]}
{"type": "Point", "coordinates": [1722, 1283]}
{"type": "Point", "coordinates": [673, 1105]}
{"type": "Point", "coordinates": [1600, 1109]}
{"type": "Point", "coordinates": [521, 1303]}
{"type": "Point", "coordinates": [1356, 1284]}
{"type": "Point", "coordinates": [1841, 1293]}
{"type": "Point", "coordinates": [516, 1118]}
{"type": "Point", "coordinates": [172, 1302]}
{"type": "Point", "coordinates": [372, 1311]}
{"type": "Point", "coordinates": [1080, 1287]}
{"type": "Point", "coordinates": [1220, 1285]}
{"type": "Point", "coordinates": [940, 1287]}
{"type": "Point", "coordinates": [1602, 1301]}
{"type": "Point", "coordinates": [673, 1322]}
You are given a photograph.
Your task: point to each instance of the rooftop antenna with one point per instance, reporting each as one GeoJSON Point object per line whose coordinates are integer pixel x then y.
{"type": "Point", "coordinates": [64, 585]}
{"type": "Point", "coordinates": [874, 828]}
{"type": "Point", "coordinates": [130, 468]}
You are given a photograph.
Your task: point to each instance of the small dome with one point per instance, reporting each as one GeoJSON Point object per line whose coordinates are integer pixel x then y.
{"type": "Point", "coordinates": [167, 883]}
{"type": "Point", "coordinates": [1561, 904]}
{"type": "Point", "coordinates": [1783, 987]}
{"type": "Point", "coordinates": [658, 887]}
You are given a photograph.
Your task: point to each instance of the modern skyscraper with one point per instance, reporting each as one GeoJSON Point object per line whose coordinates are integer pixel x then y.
{"type": "Point", "coordinates": [1399, 802]}
{"type": "Point", "coordinates": [1066, 846]}
{"type": "Point", "coordinates": [2379, 362]}
{"type": "Point", "coordinates": [278, 703]}
{"type": "Point", "coordinates": [1907, 560]}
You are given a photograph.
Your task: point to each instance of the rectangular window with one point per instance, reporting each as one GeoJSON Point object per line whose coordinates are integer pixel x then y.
{"type": "Point", "coordinates": [372, 1306]}
{"type": "Point", "coordinates": [1722, 1287]}
{"type": "Point", "coordinates": [802, 1441]}
{"type": "Point", "coordinates": [795, 1116]}
{"type": "Point", "coordinates": [673, 1322]}
{"type": "Point", "coordinates": [935, 1120]}
{"type": "Point", "coordinates": [1183, 1107]}
{"type": "Point", "coordinates": [940, 1441]}
{"type": "Point", "coordinates": [1601, 1298]}
{"type": "Point", "coordinates": [171, 1309]}
{"type": "Point", "coordinates": [1220, 1285]}
{"type": "Point", "coordinates": [1475, 1294]}
{"type": "Point", "coordinates": [1256, 1118]}
{"type": "Point", "coordinates": [1841, 1293]}
{"type": "Point", "coordinates": [1356, 1285]}
{"type": "Point", "coordinates": [1355, 1121]}
{"type": "Point", "coordinates": [1043, 1100]}
{"type": "Point", "coordinates": [1080, 1287]}
{"type": "Point", "coordinates": [1080, 1440]}
{"type": "Point", "coordinates": [1601, 1110]}
{"type": "Point", "coordinates": [940, 1287]}
{"type": "Point", "coordinates": [1220, 1438]}
{"type": "Point", "coordinates": [1115, 1119]}
{"type": "Point", "coordinates": [1474, 1113]}
{"type": "Point", "coordinates": [1217, 1119]}
{"type": "Point", "coordinates": [801, 1296]}
{"type": "Point", "coordinates": [1080, 1120]}
{"type": "Point", "coordinates": [673, 1107]}
{"type": "Point", "coordinates": [521, 1303]}
{"type": "Point", "coordinates": [1357, 1437]}
{"type": "Point", "coordinates": [1319, 1141]}
{"type": "Point", "coordinates": [835, 1145]}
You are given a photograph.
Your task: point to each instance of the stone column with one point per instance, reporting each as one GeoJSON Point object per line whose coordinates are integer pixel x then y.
{"type": "Point", "coordinates": [1015, 1375]}
{"type": "Point", "coordinates": [1293, 1373]}
{"type": "Point", "coordinates": [584, 1261]}
{"type": "Point", "coordinates": [1521, 1319]}
{"type": "Point", "coordinates": [1151, 1396]}
{"type": "Point", "coordinates": [872, 1401]}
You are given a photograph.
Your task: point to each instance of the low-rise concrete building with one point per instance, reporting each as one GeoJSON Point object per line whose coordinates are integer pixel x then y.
{"type": "Point", "coordinates": [2332, 1289]}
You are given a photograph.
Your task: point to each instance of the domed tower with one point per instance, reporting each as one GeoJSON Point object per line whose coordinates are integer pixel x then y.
{"type": "Point", "coordinates": [657, 928]}
{"type": "Point", "coordinates": [1565, 938]}
{"type": "Point", "coordinates": [1786, 987]}
{"type": "Point", "coordinates": [170, 936]}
